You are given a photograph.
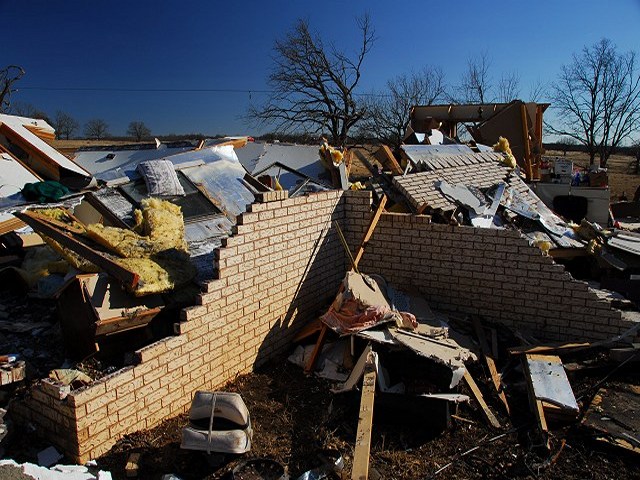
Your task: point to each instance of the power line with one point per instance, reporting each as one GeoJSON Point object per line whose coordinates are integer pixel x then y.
{"type": "Point", "coordinates": [165, 90]}
{"type": "Point", "coordinates": [138, 90]}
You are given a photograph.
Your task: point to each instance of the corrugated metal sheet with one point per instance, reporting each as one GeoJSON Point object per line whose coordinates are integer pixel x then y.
{"type": "Point", "coordinates": [302, 158]}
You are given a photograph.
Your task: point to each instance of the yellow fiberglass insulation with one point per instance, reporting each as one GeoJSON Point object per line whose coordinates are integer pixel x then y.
{"type": "Point", "coordinates": [162, 224]}
{"type": "Point", "coordinates": [39, 262]}
{"type": "Point", "coordinates": [159, 256]}
{"type": "Point", "coordinates": [61, 215]}
{"type": "Point", "coordinates": [503, 146]}
{"type": "Point", "coordinates": [159, 273]}
{"type": "Point", "coordinates": [72, 258]}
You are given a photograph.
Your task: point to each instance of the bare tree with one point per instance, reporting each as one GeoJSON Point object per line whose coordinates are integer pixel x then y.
{"type": "Point", "coordinates": [475, 85]}
{"type": "Point", "coordinates": [537, 90]}
{"type": "Point", "coordinates": [313, 84]}
{"type": "Point", "coordinates": [64, 124]}
{"type": "Point", "coordinates": [138, 130]}
{"type": "Point", "coordinates": [567, 143]}
{"type": "Point", "coordinates": [508, 87]}
{"type": "Point", "coordinates": [597, 97]}
{"type": "Point", "coordinates": [96, 128]}
{"type": "Point", "coordinates": [9, 75]}
{"type": "Point", "coordinates": [388, 112]}
{"type": "Point", "coordinates": [28, 110]}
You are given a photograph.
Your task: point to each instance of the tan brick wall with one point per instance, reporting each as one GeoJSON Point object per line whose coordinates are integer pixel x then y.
{"type": "Point", "coordinates": [493, 273]}
{"type": "Point", "coordinates": [281, 267]}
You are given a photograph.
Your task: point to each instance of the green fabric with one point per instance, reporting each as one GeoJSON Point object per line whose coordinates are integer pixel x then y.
{"type": "Point", "coordinates": [43, 192]}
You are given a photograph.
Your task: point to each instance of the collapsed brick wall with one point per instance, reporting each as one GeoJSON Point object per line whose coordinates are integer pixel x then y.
{"type": "Point", "coordinates": [282, 267]}
{"type": "Point", "coordinates": [492, 273]}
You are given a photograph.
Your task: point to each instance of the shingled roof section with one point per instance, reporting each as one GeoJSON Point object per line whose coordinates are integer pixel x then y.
{"type": "Point", "coordinates": [481, 170]}
{"type": "Point", "coordinates": [436, 157]}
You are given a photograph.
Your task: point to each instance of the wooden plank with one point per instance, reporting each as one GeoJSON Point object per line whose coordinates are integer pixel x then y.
{"type": "Point", "coordinates": [527, 145]}
{"type": "Point", "coordinates": [12, 372]}
{"type": "Point", "coordinates": [10, 225]}
{"type": "Point", "coordinates": [365, 421]}
{"type": "Point", "coordinates": [536, 405]}
{"type": "Point", "coordinates": [549, 348]}
{"type": "Point", "coordinates": [31, 171]}
{"type": "Point", "coordinates": [108, 215]}
{"type": "Point", "coordinates": [491, 364]}
{"type": "Point", "coordinates": [41, 133]}
{"type": "Point", "coordinates": [255, 183]}
{"type": "Point", "coordinates": [370, 229]}
{"type": "Point", "coordinates": [385, 156]}
{"type": "Point", "coordinates": [493, 421]}
{"type": "Point", "coordinates": [127, 277]}
{"type": "Point", "coordinates": [57, 223]}
{"type": "Point", "coordinates": [316, 351]}
{"type": "Point", "coordinates": [312, 327]}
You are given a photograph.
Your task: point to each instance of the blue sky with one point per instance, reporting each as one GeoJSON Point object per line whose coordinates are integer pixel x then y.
{"type": "Point", "coordinates": [140, 44]}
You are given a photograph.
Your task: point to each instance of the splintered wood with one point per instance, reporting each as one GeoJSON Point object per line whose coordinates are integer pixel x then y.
{"type": "Point", "coordinates": [491, 418]}
{"type": "Point", "coordinates": [491, 364]}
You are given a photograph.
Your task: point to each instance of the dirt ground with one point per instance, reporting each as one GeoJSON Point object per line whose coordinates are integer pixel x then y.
{"type": "Point", "coordinates": [295, 417]}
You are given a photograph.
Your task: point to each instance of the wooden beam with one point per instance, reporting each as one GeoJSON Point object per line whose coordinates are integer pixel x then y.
{"type": "Point", "coordinates": [525, 138]}
{"type": "Point", "coordinates": [365, 421]}
{"type": "Point", "coordinates": [127, 277]}
{"type": "Point", "coordinates": [10, 225]}
{"type": "Point", "coordinates": [313, 327]}
{"type": "Point", "coordinates": [494, 343]}
{"type": "Point", "coordinates": [568, 252]}
{"type": "Point", "coordinates": [27, 167]}
{"type": "Point", "coordinates": [491, 364]}
{"type": "Point", "coordinates": [370, 229]}
{"type": "Point", "coordinates": [491, 418]}
{"type": "Point", "coordinates": [108, 215]}
{"type": "Point", "coordinates": [57, 223]}
{"type": "Point", "coordinates": [257, 184]}
{"type": "Point", "coordinates": [422, 208]}
{"type": "Point", "coordinates": [385, 156]}
{"type": "Point", "coordinates": [38, 161]}
{"type": "Point", "coordinates": [547, 348]}
{"type": "Point", "coordinates": [354, 265]}
{"type": "Point", "coordinates": [536, 404]}
{"type": "Point", "coordinates": [539, 148]}
{"type": "Point", "coordinates": [311, 364]}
